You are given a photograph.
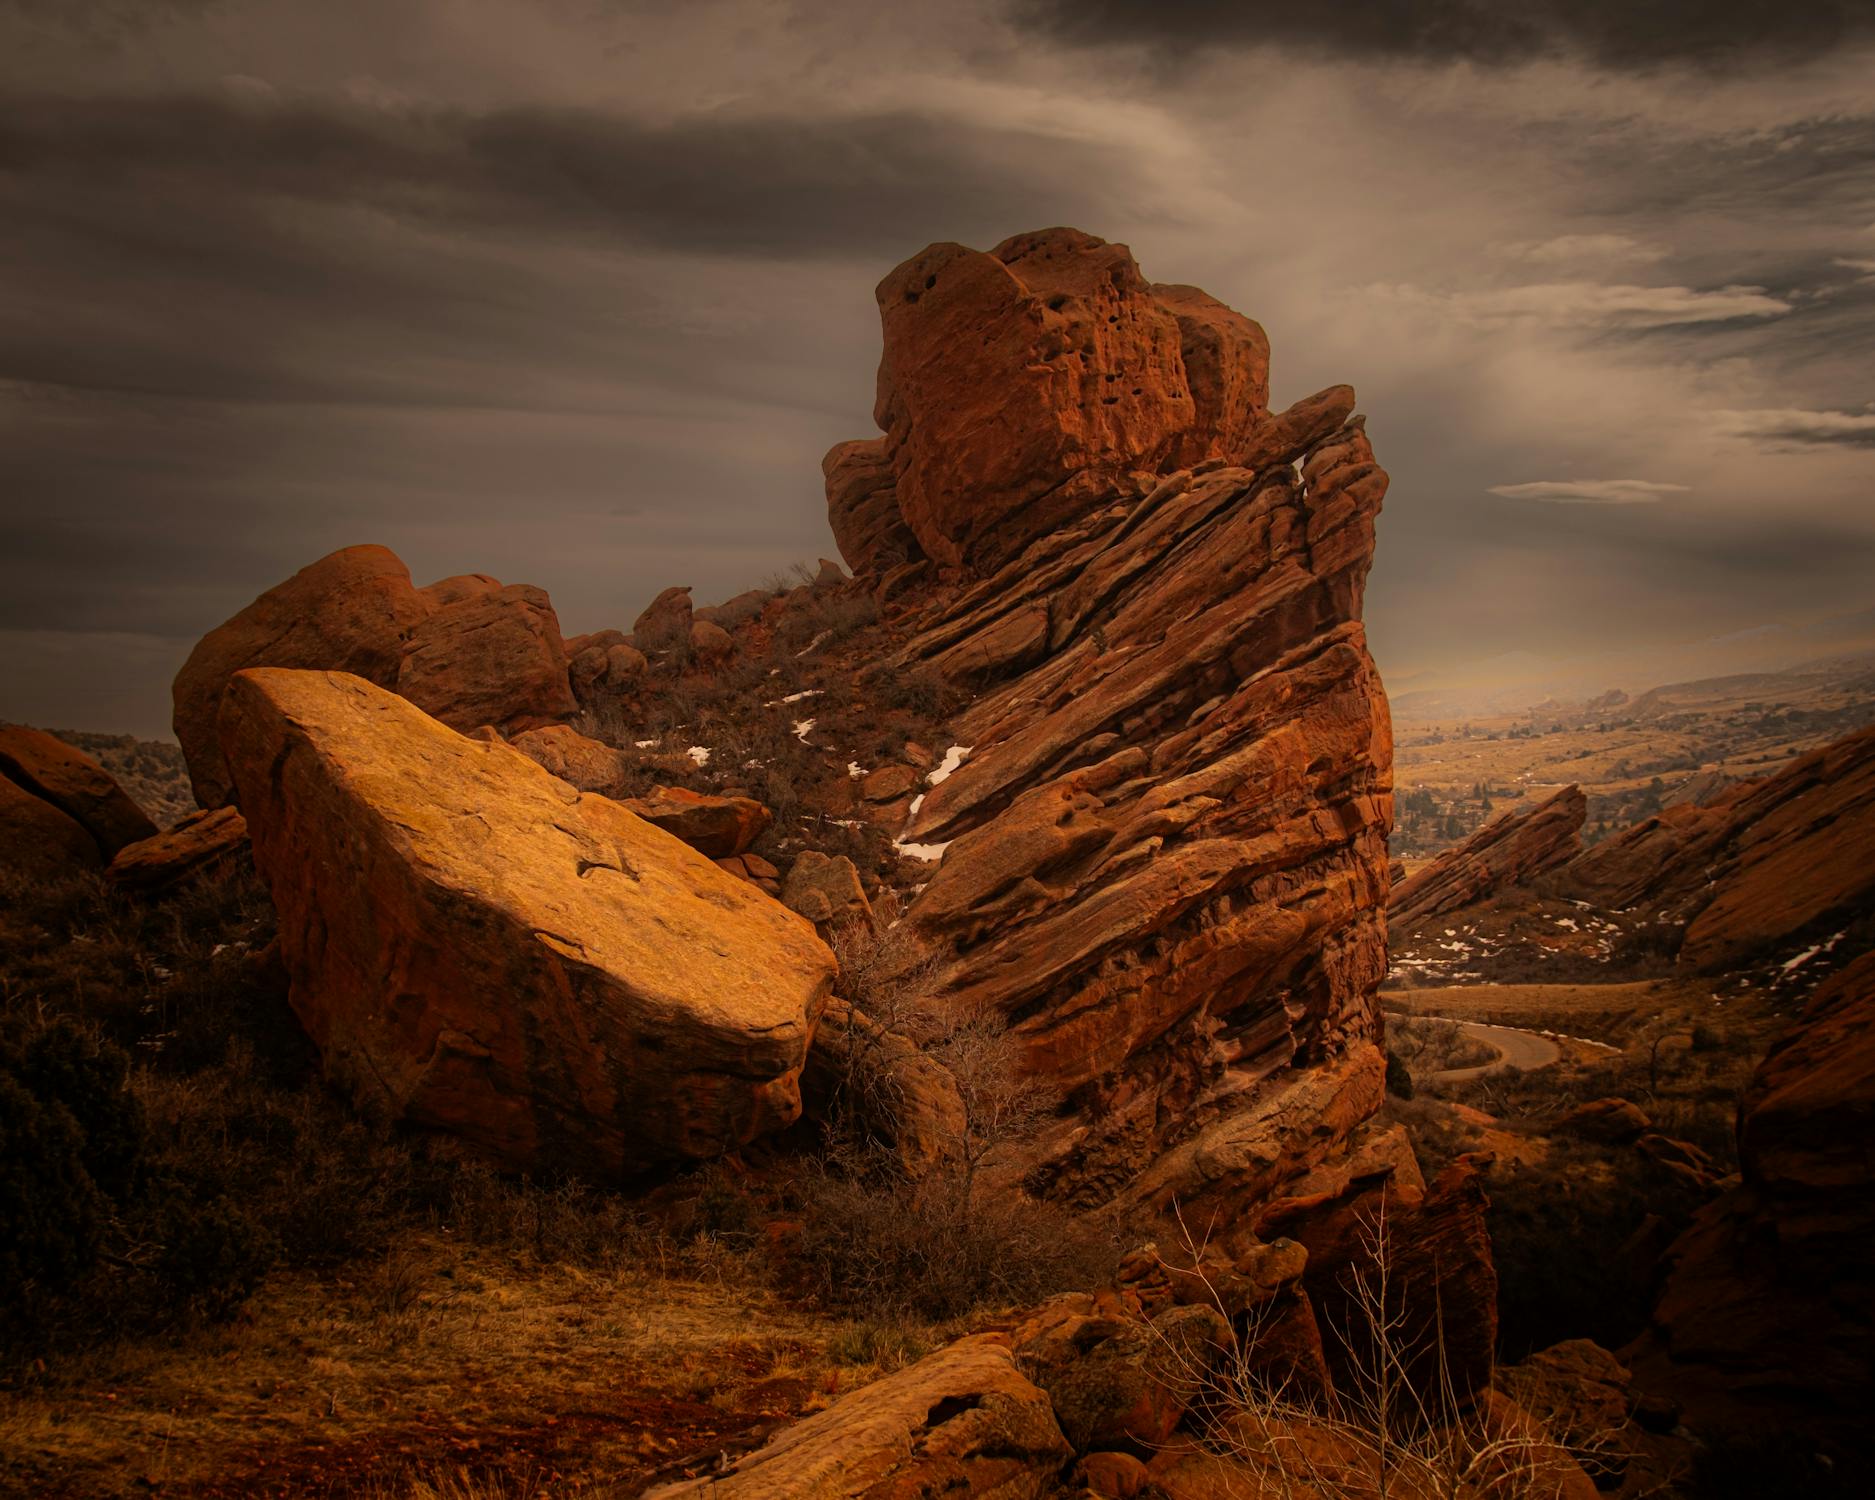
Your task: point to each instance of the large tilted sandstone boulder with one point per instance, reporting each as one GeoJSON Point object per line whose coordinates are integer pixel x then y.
{"type": "Point", "coordinates": [476, 947]}
{"type": "Point", "coordinates": [466, 649]}
{"type": "Point", "coordinates": [1511, 851]}
{"type": "Point", "coordinates": [1163, 858]}
{"type": "Point", "coordinates": [1767, 1320]}
{"type": "Point", "coordinates": [963, 1421]}
{"type": "Point", "coordinates": [74, 783]}
{"type": "Point", "coordinates": [1768, 859]}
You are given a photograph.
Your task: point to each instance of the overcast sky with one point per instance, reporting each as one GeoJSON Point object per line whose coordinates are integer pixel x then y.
{"type": "Point", "coordinates": [577, 292]}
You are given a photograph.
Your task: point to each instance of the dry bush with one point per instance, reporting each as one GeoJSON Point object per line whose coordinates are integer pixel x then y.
{"type": "Point", "coordinates": [1378, 1433]}
{"type": "Point", "coordinates": [938, 1241]}
{"type": "Point", "coordinates": [181, 1141]}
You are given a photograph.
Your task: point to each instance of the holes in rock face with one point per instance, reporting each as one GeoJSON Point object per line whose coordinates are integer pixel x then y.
{"type": "Point", "coordinates": [1057, 302]}
{"type": "Point", "coordinates": [911, 296]}
{"type": "Point", "coordinates": [1109, 400]}
{"type": "Point", "coordinates": [949, 1407]}
{"type": "Point", "coordinates": [929, 282]}
{"type": "Point", "coordinates": [1137, 391]}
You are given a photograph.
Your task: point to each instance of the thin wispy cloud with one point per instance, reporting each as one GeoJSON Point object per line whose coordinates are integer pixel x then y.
{"type": "Point", "coordinates": [1578, 249]}
{"type": "Point", "coordinates": [1794, 428]}
{"type": "Point", "coordinates": [1590, 491]}
{"type": "Point", "coordinates": [1593, 305]}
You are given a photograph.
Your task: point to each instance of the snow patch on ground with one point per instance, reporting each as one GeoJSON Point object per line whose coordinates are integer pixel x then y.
{"type": "Point", "coordinates": [802, 727]}
{"type": "Point", "coordinates": [932, 852]}
{"type": "Point", "coordinates": [699, 753]}
{"type": "Point", "coordinates": [953, 758]}
{"type": "Point", "coordinates": [855, 770]}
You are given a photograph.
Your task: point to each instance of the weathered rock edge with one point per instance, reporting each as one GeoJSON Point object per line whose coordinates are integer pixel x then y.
{"type": "Point", "coordinates": [476, 947]}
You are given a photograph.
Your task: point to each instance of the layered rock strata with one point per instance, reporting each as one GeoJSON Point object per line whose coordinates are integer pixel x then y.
{"type": "Point", "coordinates": [1162, 856]}
{"type": "Point", "coordinates": [1509, 852]}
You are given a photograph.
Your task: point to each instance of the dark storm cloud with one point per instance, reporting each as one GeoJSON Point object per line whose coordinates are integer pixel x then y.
{"type": "Point", "coordinates": [864, 185]}
{"type": "Point", "coordinates": [1630, 35]}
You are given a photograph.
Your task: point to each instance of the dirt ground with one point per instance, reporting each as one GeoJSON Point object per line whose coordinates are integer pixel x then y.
{"type": "Point", "coordinates": [539, 1380]}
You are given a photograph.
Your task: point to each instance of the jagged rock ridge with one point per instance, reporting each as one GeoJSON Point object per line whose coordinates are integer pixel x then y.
{"type": "Point", "coordinates": [1508, 852]}
{"type": "Point", "coordinates": [1164, 857]}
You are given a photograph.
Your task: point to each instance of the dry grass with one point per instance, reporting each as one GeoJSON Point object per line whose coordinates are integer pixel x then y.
{"type": "Point", "coordinates": [443, 1364]}
{"type": "Point", "coordinates": [1395, 1424]}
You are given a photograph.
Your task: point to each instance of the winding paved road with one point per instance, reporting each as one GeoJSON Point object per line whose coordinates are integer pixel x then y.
{"type": "Point", "coordinates": [1515, 1049]}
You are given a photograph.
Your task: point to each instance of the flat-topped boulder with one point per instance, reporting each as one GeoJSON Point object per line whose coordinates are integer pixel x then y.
{"type": "Point", "coordinates": [477, 947]}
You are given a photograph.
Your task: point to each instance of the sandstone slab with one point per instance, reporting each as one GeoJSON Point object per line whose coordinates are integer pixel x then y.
{"type": "Point", "coordinates": [202, 844]}
{"type": "Point", "coordinates": [476, 947]}
{"type": "Point", "coordinates": [719, 827]}
{"type": "Point", "coordinates": [962, 1421]}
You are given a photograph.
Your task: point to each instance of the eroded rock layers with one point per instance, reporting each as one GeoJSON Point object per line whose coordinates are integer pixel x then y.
{"type": "Point", "coordinates": [1164, 855]}
{"type": "Point", "coordinates": [1507, 852]}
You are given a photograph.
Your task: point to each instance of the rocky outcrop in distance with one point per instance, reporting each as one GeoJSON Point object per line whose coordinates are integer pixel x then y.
{"type": "Point", "coordinates": [476, 947]}
{"type": "Point", "coordinates": [1163, 855]}
{"type": "Point", "coordinates": [1769, 858]}
{"type": "Point", "coordinates": [1509, 852]}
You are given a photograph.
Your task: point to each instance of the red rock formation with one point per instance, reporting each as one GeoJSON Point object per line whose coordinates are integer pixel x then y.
{"type": "Point", "coordinates": [574, 757]}
{"type": "Point", "coordinates": [1016, 387]}
{"type": "Point", "coordinates": [1509, 852]}
{"type": "Point", "coordinates": [75, 784]}
{"type": "Point", "coordinates": [38, 841]}
{"type": "Point", "coordinates": [1768, 859]}
{"type": "Point", "coordinates": [468, 650]}
{"type": "Point", "coordinates": [960, 1422]}
{"type": "Point", "coordinates": [492, 657]}
{"type": "Point", "coordinates": [1164, 855]}
{"type": "Point", "coordinates": [201, 844]}
{"type": "Point", "coordinates": [1767, 1321]}
{"type": "Point", "coordinates": [476, 947]}
{"type": "Point", "coordinates": [664, 622]}
{"type": "Point", "coordinates": [715, 826]}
